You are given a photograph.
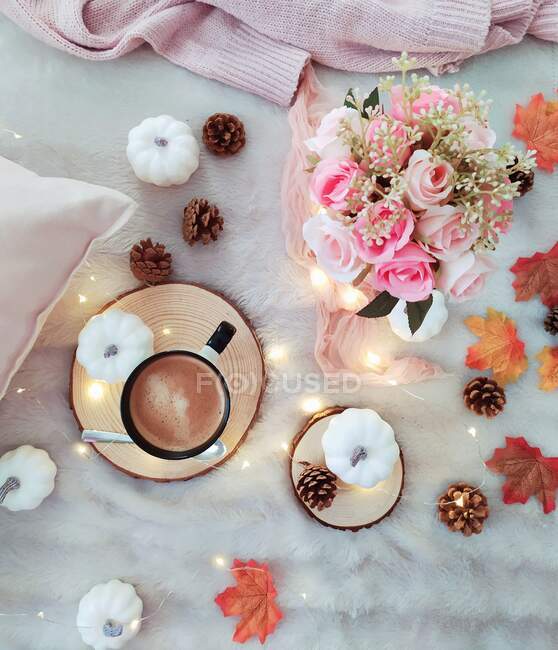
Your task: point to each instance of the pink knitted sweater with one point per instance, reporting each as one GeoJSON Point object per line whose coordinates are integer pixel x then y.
{"type": "Point", "coordinates": [263, 45]}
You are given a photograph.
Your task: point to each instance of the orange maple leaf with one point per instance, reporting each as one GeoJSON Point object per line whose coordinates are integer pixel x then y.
{"type": "Point", "coordinates": [537, 274]}
{"type": "Point", "coordinates": [537, 126]}
{"type": "Point", "coordinates": [527, 471]}
{"type": "Point", "coordinates": [548, 370]}
{"type": "Point", "coordinates": [253, 599]}
{"type": "Point", "coordinates": [499, 347]}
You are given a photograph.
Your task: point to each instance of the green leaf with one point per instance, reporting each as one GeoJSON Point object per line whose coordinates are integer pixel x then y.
{"type": "Point", "coordinates": [382, 305]}
{"type": "Point", "coordinates": [371, 101]}
{"type": "Point", "coordinates": [416, 313]}
{"type": "Point", "coordinates": [350, 100]}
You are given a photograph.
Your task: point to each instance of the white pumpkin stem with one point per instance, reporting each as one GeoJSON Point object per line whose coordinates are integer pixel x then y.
{"type": "Point", "coordinates": [161, 142]}
{"type": "Point", "coordinates": [11, 483]}
{"type": "Point", "coordinates": [359, 453]}
{"type": "Point", "coordinates": [110, 351]}
{"type": "Point", "coordinates": [112, 629]}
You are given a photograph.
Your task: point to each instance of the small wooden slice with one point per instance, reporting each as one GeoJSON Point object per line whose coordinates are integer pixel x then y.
{"type": "Point", "coordinates": [353, 507]}
{"type": "Point", "coordinates": [182, 317]}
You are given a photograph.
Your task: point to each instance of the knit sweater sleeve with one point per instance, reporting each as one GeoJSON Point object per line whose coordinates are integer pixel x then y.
{"type": "Point", "coordinates": [199, 37]}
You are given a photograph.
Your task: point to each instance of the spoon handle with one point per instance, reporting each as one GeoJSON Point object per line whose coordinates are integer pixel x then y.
{"type": "Point", "coordinates": [90, 435]}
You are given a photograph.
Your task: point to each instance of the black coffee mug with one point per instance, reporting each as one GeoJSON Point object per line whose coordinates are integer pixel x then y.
{"type": "Point", "coordinates": [208, 355]}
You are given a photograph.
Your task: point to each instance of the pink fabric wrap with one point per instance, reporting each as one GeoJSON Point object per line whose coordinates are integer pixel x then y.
{"type": "Point", "coordinates": [342, 338]}
{"type": "Point", "coordinates": [263, 45]}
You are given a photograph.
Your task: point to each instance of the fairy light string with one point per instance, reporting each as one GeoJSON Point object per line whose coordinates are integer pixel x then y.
{"type": "Point", "coordinates": [133, 624]}
{"type": "Point", "coordinates": [311, 404]}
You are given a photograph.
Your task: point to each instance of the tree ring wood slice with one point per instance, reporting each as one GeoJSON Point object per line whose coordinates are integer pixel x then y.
{"type": "Point", "coordinates": [353, 507]}
{"type": "Point", "coordinates": [182, 317]}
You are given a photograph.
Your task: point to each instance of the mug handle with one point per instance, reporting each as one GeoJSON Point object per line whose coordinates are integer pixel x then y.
{"type": "Point", "coordinates": [218, 341]}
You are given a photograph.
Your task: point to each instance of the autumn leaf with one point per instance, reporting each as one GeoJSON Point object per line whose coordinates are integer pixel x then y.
{"type": "Point", "coordinates": [253, 599]}
{"type": "Point", "coordinates": [537, 274]}
{"type": "Point", "coordinates": [548, 370]}
{"type": "Point", "coordinates": [499, 348]}
{"type": "Point", "coordinates": [537, 126]}
{"type": "Point", "coordinates": [527, 471]}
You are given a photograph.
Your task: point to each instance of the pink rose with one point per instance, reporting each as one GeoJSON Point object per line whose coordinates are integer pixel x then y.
{"type": "Point", "coordinates": [333, 244]}
{"type": "Point", "coordinates": [442, 234]}
{"type": "Point", "coordinates": [382, 155]}
{"type": "Point", "coordinates": [382, 249]}
{"type": "Point", "coordinates": [429, 182]}
{"type": "Point", "coordinates": [326, 143]}
{"type": "Point", "coordinates": [477, 136]}
{"type": "Point", "coordinates": [434, 96]}
{"type": "Point", "coordinates": [331, 181]}
{"type": "Point", "coordinates": [465, 276]}
{"type": "Point", "coordinates": [407, 276]}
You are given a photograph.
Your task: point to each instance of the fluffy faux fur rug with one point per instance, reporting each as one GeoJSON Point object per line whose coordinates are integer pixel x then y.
{"type": "Point", "coordinates": [407, 583]}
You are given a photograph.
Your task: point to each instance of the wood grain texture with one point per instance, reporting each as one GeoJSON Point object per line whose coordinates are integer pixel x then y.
{"type": "Point", "coordinates": [182, 317]}
{"type": "Point", "coordinates": [353, 508]}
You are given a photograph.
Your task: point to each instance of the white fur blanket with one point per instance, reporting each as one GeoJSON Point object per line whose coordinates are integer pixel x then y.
{"type": "Point", "coordinates": [407, 583]}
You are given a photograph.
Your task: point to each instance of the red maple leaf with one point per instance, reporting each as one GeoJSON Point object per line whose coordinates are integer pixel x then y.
{"type": "Point", "coordinates": [527, 471]}
{"type": "Point", "coordinates": [537, 126]}
{"type": "Point", "coordinates": [537, 274]}
{"type": "Point", "coordinates": [253, 599]}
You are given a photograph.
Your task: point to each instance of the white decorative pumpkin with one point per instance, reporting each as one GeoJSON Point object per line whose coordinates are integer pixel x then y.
{"type": "Point", "coordinates": [163, 151]}
{"type": "Point", "coordinates": [26, 478]}
{"type": "Point", "coordinates": [112, 344]}
{"type": "Point", "coordinates": [109, 615]}
{"type": "Point", "coordinates": [432, 324]}
{"type": "Point", "coordinates": [360, 447]}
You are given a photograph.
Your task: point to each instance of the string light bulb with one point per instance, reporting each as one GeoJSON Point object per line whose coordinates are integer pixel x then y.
{"type": "Point", "coordinates": [351, 297]}
{"type": "Point", "coordinates": [134, 624]}
{"type": "Point", "coordinates": [92, 278]}
{"type": "Point", "coordinates": [318, 278]}
{"type": "Point", "coordinates": [285, 446]}
{"type": "Point", "coordinates": [82, 298]}
{"type": "Point", "coordinates": [81, 449]}
{"type": "Point", "coordinates": [311, 405]}
{"type": "Point", "coordinates": [245, 464]}
{"type": "Point", "coordinates": [166, 331]}
{"type": "Point", "coordinates": [460, 502]}
{"type": "Point", "coordinates": [373, 359]}
{"type": "Point", "coordinates": [20, 390]}
{"type": "Point", "coordinates": [95, 390]}
{"type": "Point", "coordinates": [219, 560]}
{"type": "Point", "coordinates": [40, 614]}
{"type": "Point", "coordinates": [276, 353]}
{"type": "Point", "coordinates": [472, 431]}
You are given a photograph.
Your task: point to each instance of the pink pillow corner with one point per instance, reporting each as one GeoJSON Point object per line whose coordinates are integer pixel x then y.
{"type": "Point", "coordinates": [38, 214]}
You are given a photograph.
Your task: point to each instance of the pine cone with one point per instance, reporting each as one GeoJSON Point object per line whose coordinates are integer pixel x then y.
{"type": "Point", "coordinates": [463, 509]}
{"type": "Point", "coordinates": [202, 221]}
{"type": "Point", "coordinates": [224, 134]}
{"type": "Point", "coordinates": [317, 485]}
{"type": "Point", "coordinates": [551, 321]}
{"type": "Point", "coordinates": [526, 179]}
{"type": "Point", "coordinates": [150, 262]}
{"type": "Point", "coordinates": [484, 396]}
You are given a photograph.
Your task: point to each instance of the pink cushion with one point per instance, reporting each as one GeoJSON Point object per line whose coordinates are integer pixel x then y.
{"type": "Point", "coordinates": [47, 226]}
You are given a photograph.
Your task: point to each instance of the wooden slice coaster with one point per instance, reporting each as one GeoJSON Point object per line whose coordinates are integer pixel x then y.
{"type": "Point", "coordinates": [182, 317]}
{"type": "Point", "coordinates": [353, 507]}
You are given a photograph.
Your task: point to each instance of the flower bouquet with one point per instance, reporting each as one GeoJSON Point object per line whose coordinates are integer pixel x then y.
{"type": "Point", "coordinates": [411, 199]}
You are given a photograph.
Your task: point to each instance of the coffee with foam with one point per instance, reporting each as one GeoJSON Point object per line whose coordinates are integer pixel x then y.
{"type": "Point", "coordinates": [177, 403]}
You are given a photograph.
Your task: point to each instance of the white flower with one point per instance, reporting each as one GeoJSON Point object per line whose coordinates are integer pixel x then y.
{"type": "Point", "coordinates": [333, 244]}
{"type": "Point", "coordinates": [477, 136]}
{"type": "Point", "coordinates": [326, 143]}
